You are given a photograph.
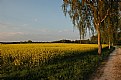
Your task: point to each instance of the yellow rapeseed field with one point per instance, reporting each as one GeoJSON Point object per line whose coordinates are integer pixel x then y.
{"type": "Point", "coordinates": [38, 53]}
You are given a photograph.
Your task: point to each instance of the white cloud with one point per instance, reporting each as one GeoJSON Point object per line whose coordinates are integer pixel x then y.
{"type": "Point", "coordinates": [22, 33]}
{"type": "Point", "coordinates": [8, 27]}
{"type": "Point", "coordinates": [24, 25]}
{"type": "Point", "coordinates": [3, 34]}
{"type": "Point", "coordinates": [36, 20]}
{"type": "Point", "coordinates": [11, 36]}
{"type": "Point", "coordinates": [40, 35]}
{"type": "Point", "coordinates": [4, 25]}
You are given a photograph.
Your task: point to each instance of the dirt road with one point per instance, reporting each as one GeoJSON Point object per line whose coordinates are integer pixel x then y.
{"type": "Point", "coordinates": [110, 69]}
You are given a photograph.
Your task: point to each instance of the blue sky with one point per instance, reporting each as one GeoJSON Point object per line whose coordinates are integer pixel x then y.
{"type": "Point", "coordinates": [36, 20]}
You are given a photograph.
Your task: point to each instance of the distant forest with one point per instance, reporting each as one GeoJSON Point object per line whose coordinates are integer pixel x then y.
{"type": "Point", "coordinates": [92, 40]}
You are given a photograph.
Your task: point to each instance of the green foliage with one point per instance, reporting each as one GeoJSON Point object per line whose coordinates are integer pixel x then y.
{"type": "Point", "coordinates": [29, 41]}
{"type": "Point", "coordinates": [81, 16]}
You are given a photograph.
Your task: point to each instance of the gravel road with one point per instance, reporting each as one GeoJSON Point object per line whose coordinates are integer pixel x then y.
{"type": "Point", "coordinates": [110, 69]}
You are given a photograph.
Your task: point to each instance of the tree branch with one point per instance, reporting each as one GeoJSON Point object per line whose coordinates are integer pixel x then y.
{"type": "Point", "coordinates": [105, 16]}
{"type": "Point", "coordinates": [94, 14]}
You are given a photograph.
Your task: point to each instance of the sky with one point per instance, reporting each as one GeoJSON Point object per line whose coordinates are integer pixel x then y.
{"type": "Point", "coordinates": [36, 20]}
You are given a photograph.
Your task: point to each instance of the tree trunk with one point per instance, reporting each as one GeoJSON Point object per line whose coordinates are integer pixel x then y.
{"type": "Point", "coordinates": [112, 43]}
{"type": "Point", "coordinates": [80, 36]}
{"type": "Point", "coordinates": [80, 41]}
{"type": "Point", "coordinates": [109, 44]}
{"type": "Point", "coordinates": [99, 43]}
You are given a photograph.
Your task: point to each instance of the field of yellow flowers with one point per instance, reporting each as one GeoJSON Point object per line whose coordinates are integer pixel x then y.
{"type": "Point", "coordinates": [19, 60]}
{"type": "Point", "coordinates": [39, 53]}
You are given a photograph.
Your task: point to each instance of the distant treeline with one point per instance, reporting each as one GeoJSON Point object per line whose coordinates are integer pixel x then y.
{"type": "Point", "coordinates": [88, 41]}
{"type": "Point", "coordinates": [70, 41]}
{"type": "Point", "coordinates": [59, 41]}
{"type": "Point", "coordinates": [92, 40]}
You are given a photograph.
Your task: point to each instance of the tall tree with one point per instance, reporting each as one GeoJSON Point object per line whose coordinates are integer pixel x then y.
{"type": "Point", "coordinates": [80, 18]}
{"type": "Point", "coordinates": [110, 26]}
{"type": "Point", "coordinates": [87, 11]}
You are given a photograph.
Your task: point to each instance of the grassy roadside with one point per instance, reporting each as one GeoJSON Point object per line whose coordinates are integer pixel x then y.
{"type": "Point", "coordinates": [77, 66]}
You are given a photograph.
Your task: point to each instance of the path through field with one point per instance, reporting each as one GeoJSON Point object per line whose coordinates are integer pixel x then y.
{"type": "Point", "coordinates": [110, 69]}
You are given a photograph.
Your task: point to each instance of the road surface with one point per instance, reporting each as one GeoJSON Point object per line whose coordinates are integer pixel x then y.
{"type": "Point", "coordinates": [110, 69]}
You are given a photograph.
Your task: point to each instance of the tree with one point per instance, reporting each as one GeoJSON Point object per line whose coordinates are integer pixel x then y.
{"type": "Point", "coordinates": [29, 41]}
{"type": "Point", "coordinates": [93, 39]}
{"type": "Point", "coordinates": [80, 18]}
{"type": "Point", "coordinates": [84, 12]}
{"type": "Point", "coordinates": [110, 26]}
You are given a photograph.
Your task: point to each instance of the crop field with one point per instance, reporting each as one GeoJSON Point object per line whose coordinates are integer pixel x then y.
{"type": "Point", "coordinates": [48, 61]}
